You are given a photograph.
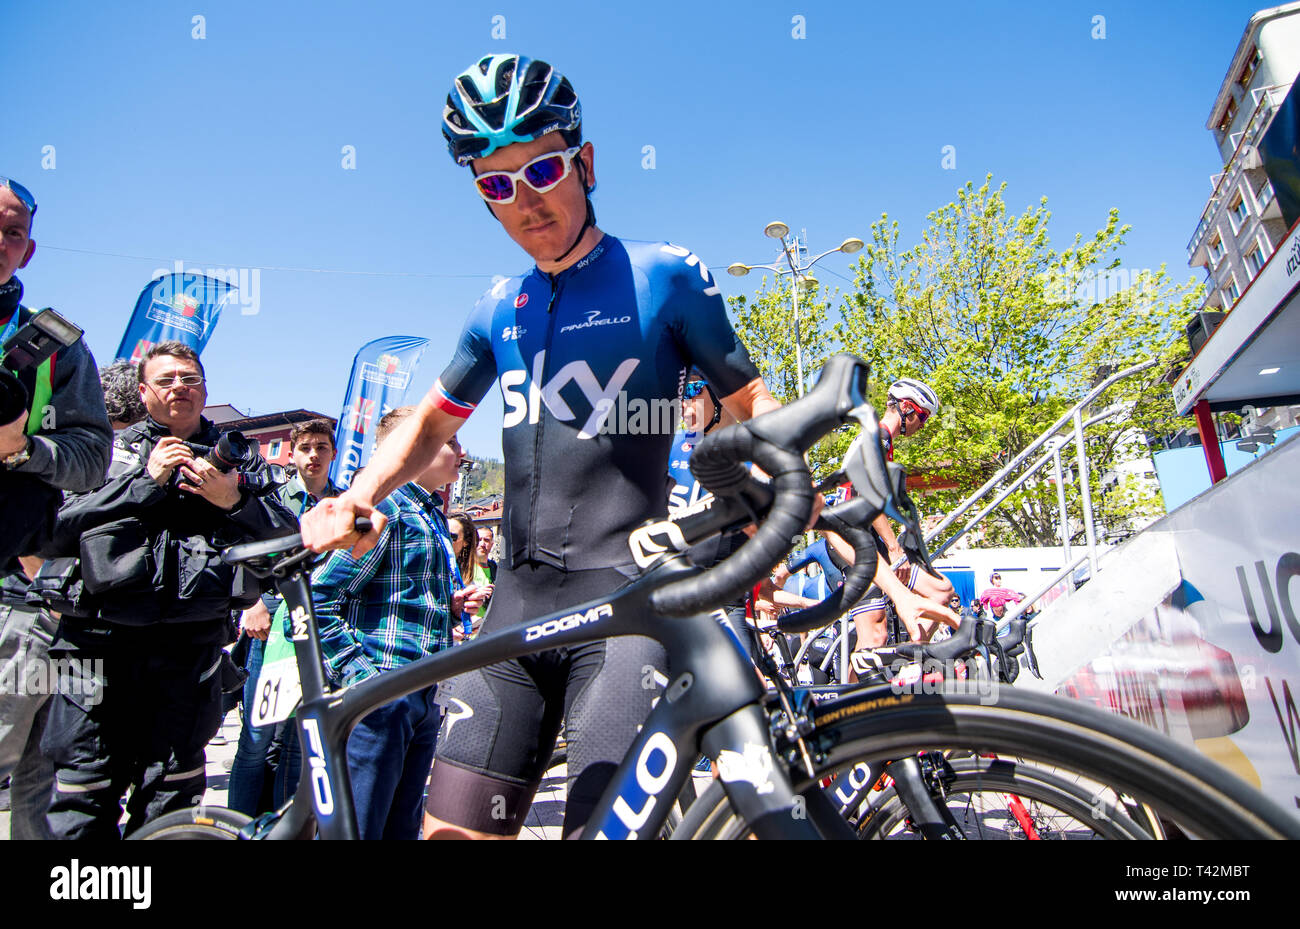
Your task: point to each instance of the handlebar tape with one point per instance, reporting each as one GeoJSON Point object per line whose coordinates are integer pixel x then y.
{"type": "Point", "coordinates": [791, 506]}
{"type": "Point", "coordinates": [775, 442]}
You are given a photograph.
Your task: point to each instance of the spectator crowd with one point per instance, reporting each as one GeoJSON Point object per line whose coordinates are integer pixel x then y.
{"type": "Point", "coordinates": [118, 616]}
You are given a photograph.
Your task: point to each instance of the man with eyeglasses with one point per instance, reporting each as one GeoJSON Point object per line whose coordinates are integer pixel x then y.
{"type": "Point", "coordinates": [146, 658]}
{"type": "Point", "coordinates": [598, 325]}
{"type": "Point", "coordinates": [59, 441]}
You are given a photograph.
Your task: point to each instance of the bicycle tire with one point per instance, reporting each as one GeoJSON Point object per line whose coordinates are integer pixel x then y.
{"type": "Point", "coordinates": [877, 724]}
{"type": "Point", "coordinates": [196, 822]}
{"type": "Point", "coordinates": [1082, 810]}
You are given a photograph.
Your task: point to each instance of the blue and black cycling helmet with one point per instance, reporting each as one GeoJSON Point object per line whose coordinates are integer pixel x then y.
{"type": "Point", "coordinates": [503, 99]}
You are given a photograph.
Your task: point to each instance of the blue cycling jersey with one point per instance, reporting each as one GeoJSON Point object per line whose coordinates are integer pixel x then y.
{"type": "Point", "coordinates": [683, 489]}
{"type": "Point", "coordinates": [591, 363]}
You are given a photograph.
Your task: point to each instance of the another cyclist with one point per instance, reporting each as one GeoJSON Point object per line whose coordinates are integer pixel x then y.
{"type": "Point", "coordinates": [702, 412]}
{"type": "Point", "coordinates": [599, 327]}
{"type": "Point", "coordinates": [910, 403]}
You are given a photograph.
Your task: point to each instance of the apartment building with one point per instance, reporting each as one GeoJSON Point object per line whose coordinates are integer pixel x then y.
{"type": "Point", "coordinates": [1247, 359]}
{"type": "Point", "coordinates": [1241, 225]}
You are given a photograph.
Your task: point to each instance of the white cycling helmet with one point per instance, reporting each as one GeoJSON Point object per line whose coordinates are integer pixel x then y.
{"type": "Point", "coordinates": [907, 388]}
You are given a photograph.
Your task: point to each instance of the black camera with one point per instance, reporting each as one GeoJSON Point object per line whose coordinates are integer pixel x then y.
{"type": "Point", "coordinates": [28, 503]}
{"type": "Point", "coordinates": [43, 335]}
{"type": "Point", "coordinates": [233, 450]}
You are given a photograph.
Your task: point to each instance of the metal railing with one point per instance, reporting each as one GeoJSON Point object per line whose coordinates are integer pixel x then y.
{"type": "Point", "coordinates": [1073, 421]}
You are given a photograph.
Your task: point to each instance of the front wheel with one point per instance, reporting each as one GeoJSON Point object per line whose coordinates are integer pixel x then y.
{"type": "Point", "coordinates": [196, 822]}
{"type": "Point", "coordinates": [995, 798]}
{"type": "Point", "coordinates": [1114, 756]}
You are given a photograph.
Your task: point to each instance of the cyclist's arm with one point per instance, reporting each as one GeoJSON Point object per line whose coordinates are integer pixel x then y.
{"type": "Point", "coordinates": [841, 547]}
{"type": "Point", "coordinates": [785, 598]}
{"type": "Point", "coordinates": [403, 456]}
{"type": "Point", "coordinates": [885, 530]}
{"type": "Point", "coordinates": [751, 400]}
{"type": "Point", "coordinates": [912, 608]}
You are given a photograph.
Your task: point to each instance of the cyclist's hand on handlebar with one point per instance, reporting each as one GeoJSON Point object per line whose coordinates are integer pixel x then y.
{"type": "Point", "coordinates": [913, 609]}
{"type": "Point", "coordinates": [332, 524]}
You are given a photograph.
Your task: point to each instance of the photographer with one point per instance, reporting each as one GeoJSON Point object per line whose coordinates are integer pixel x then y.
{"type": "Point", "coordinates": [54, 436]}
{"type": "Point", "coordinates": [150, 636]}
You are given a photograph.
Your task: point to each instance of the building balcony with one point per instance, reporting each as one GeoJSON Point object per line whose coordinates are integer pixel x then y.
{"type": "Point", "coordinates": [1244, 156]}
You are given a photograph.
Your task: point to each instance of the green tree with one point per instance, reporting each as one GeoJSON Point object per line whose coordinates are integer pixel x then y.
{"type": "Point", "coordinates": [1011, 333]}
{"type": "Point", "coordinates": [766, 325]}
{"type": "Point", "coordinates": [486, 479]}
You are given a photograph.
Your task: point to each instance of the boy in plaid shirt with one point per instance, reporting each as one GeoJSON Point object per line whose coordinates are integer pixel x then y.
{"type": "Point", "coordinates": [390, 607]}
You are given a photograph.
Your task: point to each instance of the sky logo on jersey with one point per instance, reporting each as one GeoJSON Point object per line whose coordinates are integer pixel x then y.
{"type": "Point", "coordinates": [592, 256]}
{"type": "Point", "coordinates": [682, 496]}
{"type": "Point", "coordinates": [693, 261]}
{"type": "Point", "coordinates": [600, 397]}
{"type": "Point", "coordinates": [613, 411]}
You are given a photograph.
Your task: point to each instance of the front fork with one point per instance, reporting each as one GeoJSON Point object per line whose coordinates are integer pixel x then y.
{"type": "Point", "coordinates": [755, 780]}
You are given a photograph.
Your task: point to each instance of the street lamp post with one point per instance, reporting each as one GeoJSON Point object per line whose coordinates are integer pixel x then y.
{"type": "Point", "coordinates": [796, 269]}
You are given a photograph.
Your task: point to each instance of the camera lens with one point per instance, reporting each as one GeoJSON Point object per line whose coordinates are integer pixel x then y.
{"type": "Point", "coordinates": [231, 451]}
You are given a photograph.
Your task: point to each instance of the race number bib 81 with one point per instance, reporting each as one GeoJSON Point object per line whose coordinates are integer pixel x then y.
{"type": "Point", "coordinates": [278, 688]}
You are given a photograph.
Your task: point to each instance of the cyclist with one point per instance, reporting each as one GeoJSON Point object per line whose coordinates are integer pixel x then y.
{"type": "Point", "coordinates": [702, 412]}
{"type": "Point", "coordinates": [599, 327]}
{"type": "Point", "coordinates": [909, 404]}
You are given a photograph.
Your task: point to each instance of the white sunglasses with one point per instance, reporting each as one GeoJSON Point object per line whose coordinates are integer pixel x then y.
{"type": "Point", "coordinates": [541, 174]}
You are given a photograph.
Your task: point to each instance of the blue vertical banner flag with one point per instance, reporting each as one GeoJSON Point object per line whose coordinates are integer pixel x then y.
{"type": "Point", "coordinates": [381, 372]}
{"type": "Point", "coordinates": [181, 307]}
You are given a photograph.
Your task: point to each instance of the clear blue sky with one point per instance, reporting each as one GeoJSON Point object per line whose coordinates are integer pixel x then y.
{"type": "Point", "coordinates": [226, 151]}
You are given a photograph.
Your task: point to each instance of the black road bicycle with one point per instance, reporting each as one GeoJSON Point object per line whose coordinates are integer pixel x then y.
{"type": "Point", "coordinates": [771, 750]}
